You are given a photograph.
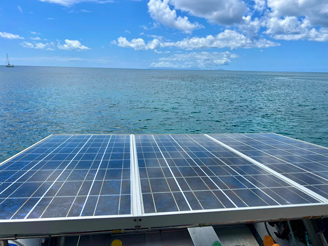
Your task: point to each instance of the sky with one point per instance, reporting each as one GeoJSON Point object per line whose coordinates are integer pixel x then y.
{"type": "Point", "coordinates": [249, 35]}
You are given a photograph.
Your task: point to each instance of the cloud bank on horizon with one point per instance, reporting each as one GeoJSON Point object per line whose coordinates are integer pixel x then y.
{"type": "Point", "coordinates": [187, 33]}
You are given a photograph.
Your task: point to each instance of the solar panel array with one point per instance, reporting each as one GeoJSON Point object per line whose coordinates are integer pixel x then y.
{"type": "Point", "coordinates": [111, 176]}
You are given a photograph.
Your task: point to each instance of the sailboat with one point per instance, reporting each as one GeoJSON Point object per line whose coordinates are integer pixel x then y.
{"type": "Point", "coordinates": [8, 64]}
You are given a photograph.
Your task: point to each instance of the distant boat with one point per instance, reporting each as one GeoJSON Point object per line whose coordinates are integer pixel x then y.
{"type": "Point", "coordinates": [8, 63]}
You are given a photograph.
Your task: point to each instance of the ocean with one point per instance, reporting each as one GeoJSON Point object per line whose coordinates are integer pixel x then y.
{"type": "Point", "coordinates": [38, 101]}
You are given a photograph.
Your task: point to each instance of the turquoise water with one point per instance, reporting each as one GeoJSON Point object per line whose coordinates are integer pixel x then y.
{"type": "Point", "coordinates": [38, 101]}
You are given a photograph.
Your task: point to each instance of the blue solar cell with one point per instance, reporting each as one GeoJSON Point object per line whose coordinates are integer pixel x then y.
{"type": "Point", "coordinates": [250, 198]}
{"type": "Point", "coordinates": [52, 210]}
{"type": "Point", "coordinates": [208, 200]}
{"type": "Point", "coordinates": [90, 206]}
{"type": "Point", "coordinates": [9, 206]}
{"type": "Point", "coordinates": [40, 207]}
{"type": "Point", "coordinates": [108, 205]}
{"type": "Point", "coordinates": [196, 184]}
{"type": "Point", "coordinates": [165, 202]}
{"type": "Point", "coordinates": [193, 201]}
{"type": "Point", "coordinates": [232, 183]}
{"type": "Point", "coordinates": [148, 203]}
{"type": "Point", "coordinates": [25, 208]}
{"type": "Point", "coordinates": [159, 185]}
{"type": "Point", "coordinates": [237, 201]}
{"type": "Point", "coordinates": [77, 206]}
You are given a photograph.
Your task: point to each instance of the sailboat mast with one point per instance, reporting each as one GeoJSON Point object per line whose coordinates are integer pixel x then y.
{"type": "Point", "coordinates": [7, 62]}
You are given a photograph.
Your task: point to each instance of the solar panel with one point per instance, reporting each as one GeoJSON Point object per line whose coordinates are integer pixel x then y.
{"type": "Point", "coordinates": [73, 183]}
{"type": "Point", "coordinates": [68, 176]}
{"type": "Point", "coordinates": [304, 163]}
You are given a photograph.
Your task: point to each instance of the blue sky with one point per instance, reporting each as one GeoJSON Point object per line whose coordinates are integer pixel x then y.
{"type": "Point", "coordinates": [256, 35]}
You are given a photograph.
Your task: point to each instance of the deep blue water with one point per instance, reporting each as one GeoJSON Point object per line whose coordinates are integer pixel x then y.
{"type": "Point", "coordinates": [38, 101]}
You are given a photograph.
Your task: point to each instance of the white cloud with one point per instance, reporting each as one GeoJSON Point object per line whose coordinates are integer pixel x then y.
{"type": "Point", "coordinates": [250, 27]}
{"type": "Point", "coordinates": [10, 35]}
{"type": "Point", "coordinates": [290, 25]}
{"type": "Point", "coordinates": [227, 39]}
{"type": "Point", "coordinates": [35, 33]}
{"type": "Point", "coordinates": [39, 46]}
{"type": "Point", "coordinates": [127, 31]}
{"type": "Point", "coordinates": [293, 28]}
{"type": "Point", "coordinates": [160, 11]}
{"type": "Point", "coordinates": [154, 25]}
{"type": "Point", "coordinates": [68, 3]}
{"type": "Point", "coordinates": [72, 45]}
{"type": "Point", "coordinates": [137, 44]}
{"type": "Point", "coordinates": [297, 20]}
{"type": "Point", "coordinates": [315, 10]}
{"type": "Point", "coordinates": [222, 12]}
{"type": "Point", "coordinates": [162, 52]}
{"type": "Point", "coordinates": [259, 5]}
{"type": "Point", "coordinates": [196, 60]}
{"type": "Point", "coordinates": [156, 36]}
{"type": "Point", "coordinates": [85, 11]}
{"type": "Point", "coordinates": [20, 9]}
{"type": "Point", "coordinates": [27, 45]}
{"type": "Point", "coordinates": [35, 38]}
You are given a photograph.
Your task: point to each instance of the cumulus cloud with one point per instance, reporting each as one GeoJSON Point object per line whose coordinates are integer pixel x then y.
{"type": "Point", "coordinates": [294, 28]}
{"type": "Point", "coordinates": [250, 27]}
{"type": "Point", "coordinates": [160, 11]}
{"type": "Point", "coordinates": [195, 60]}
{"type": "Point", "coordinates": [315, 10]}
{"type": "Point", "coordinates": [222, 12]}
{"type": "Point", "coordinates": [227, 39]}
{"type": "Point", "coordinates": [35, 38]}
{"type": "Point", "coordinates": [68, 3]}
{"type": "Point", "coordinates": [72, 45]}
{"type": "Point", "coordinates": [39, 46]}
{"type": "Point", "coordinates": [10, 35]}
{"type": "Point", "coordinates": [137, 44]}
{"type": "Point", "coordinates": [279, 19]}
{"type": "Point", "coordinates": [259, 5]}
{"type": "Point", "coordinates": [289, 24]}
